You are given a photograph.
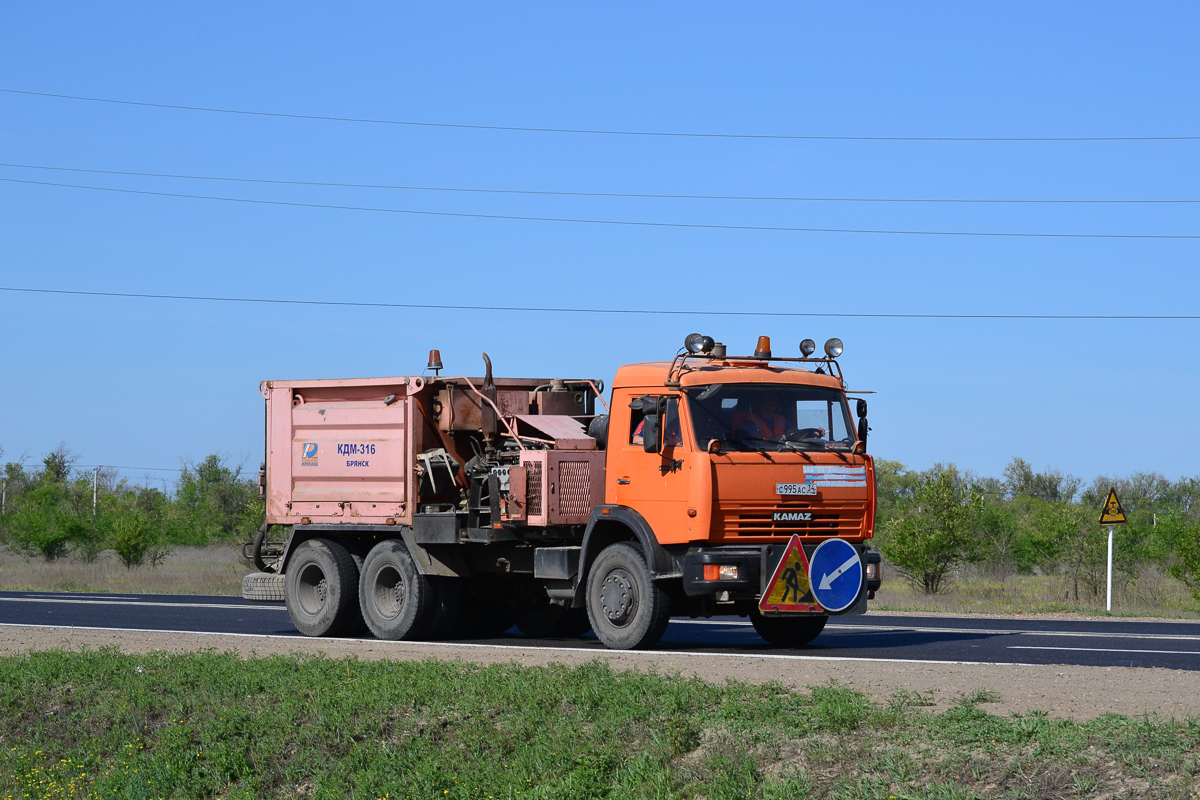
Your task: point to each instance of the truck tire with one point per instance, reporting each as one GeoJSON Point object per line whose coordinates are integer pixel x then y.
{"type": "Point", "coordinates": [447, 605]}
{"type": "Point", "coordinates": [482, 620]}
{"type": "Point", "coordinates": [320, 589]}
{"type": "Point", "coordinates": [263, 586]}
{"type": "Point", "coordinates": [548, 620]}
{"type": "Point", "coordinates": [398, 603]}
{"type": "Point", "coordinates": [539, 620]}
{"type": "Point", "coordinates": [787, 631]}
{"type": "Point", "coordinates": [627, 609]}
{"type": "Point", "coordinates": [573, 623]}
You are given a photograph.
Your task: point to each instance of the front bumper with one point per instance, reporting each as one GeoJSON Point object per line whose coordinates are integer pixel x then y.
{"type": "Point", "coordinates": [755, 566]}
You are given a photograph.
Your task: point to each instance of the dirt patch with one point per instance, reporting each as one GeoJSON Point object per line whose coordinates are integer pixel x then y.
{"type": "Point", "coordinates": [1063, 691]}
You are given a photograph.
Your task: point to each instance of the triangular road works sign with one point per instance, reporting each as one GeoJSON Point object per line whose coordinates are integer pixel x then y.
{"type": "Point", "coordinates": [789, 590]}
{"type": "Point", "coordinates": [1112, 513]}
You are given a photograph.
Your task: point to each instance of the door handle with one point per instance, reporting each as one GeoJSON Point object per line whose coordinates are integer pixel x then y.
{"type": "Point", "coordinates": [622, 481]}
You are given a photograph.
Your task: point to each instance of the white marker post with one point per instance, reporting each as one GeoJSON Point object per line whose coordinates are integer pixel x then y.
{"type": "Point", "coordinates": [1112, 514]}
{"type": "Point", "coordinates": [1110, 537]}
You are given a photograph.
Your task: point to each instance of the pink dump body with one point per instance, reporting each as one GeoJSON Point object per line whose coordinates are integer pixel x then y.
{"type": "Point", "coordinates": [340, 450]}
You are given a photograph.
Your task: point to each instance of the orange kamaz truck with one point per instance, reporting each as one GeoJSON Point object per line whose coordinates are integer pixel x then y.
{"type": "Point", "coordinates": [434, 506]}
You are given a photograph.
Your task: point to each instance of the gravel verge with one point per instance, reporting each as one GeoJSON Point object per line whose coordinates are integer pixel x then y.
{"type": "Point", "coordinates": [1070, 692]}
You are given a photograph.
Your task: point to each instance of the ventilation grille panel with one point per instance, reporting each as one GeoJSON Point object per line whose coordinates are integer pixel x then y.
{"type": "Point", "coordinates": [574, 488]}
{"type": "Point", "coordinates": [533, 489]}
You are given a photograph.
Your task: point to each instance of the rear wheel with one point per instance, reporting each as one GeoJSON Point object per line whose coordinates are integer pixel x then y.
{"type": "Point", "coordinates": [787, 631]}
{"type": "Point", "coordinates": [321, 584]}
{"type": "Point", "coordinates": [539, 620]}
{"type": "Point", "coordinates": [627, 609]}
{"type": "Point", "coordinates": [480, 619]}
{"type": "Point", "coordinates": [574, 622]}
{"type": "Point", "coordinates": [447, 606]}
{"type": "Point", "coordinates": [550, 620]}
{"type": "Point", "coordinates": [397, 601]}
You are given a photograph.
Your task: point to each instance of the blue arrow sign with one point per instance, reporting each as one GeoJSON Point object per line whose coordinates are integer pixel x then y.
{"type": "Point", "coordinates": [835, 573]}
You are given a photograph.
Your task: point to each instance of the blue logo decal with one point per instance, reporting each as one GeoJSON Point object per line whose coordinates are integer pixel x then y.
{"type": "Point", "coordinates": [308, 454]}
{"type": "Point", "coordinates": [835, 573]}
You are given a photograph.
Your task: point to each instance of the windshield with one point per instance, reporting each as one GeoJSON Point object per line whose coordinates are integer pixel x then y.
{"type": "Point", "coordinates": [753, 416]}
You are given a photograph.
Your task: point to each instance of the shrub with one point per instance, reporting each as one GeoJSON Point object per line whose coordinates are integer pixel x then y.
{"type": "Point", "coordinates": [935, 532]}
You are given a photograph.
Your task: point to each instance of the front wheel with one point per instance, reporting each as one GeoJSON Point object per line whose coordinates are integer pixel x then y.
{"type": "Point", "coordinates": [627, 609]}
{"type": "Point", "coordinates": [787, 631]}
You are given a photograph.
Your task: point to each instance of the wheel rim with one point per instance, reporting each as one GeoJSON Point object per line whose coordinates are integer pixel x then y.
{"type": "Point", "coordinates": [312, 589]}
{"type": "Point", "coordinates": [388, 591]}
{"type": "Point", "coordinates": [618, 597]}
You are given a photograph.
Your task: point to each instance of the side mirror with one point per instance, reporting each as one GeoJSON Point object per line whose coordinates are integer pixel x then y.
{"type": "Point", "coordinates": [652, 434]}
{"type": "Point", "coordinates": [862, 430]}
{"type": "Point", "coordinates": [862, 408]}
{"type": "Point", "coordinates": [651, 422]}
{"type": "Point", "coordinates": [652, 407]}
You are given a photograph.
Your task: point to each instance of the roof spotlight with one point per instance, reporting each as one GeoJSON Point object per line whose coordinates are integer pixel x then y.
{"type": "Point", "coordinates": [833, 348]}
{"type": "Point", "coordinates": [695, 343]}
{"type": "Point", "coordinates": [808, 347]}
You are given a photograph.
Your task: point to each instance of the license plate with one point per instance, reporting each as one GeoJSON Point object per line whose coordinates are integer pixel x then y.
{"type": "Point", "coordinates": [796, 488]}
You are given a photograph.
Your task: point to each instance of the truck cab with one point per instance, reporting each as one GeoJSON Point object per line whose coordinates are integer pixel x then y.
{"type": "Point", "coordinates": [716, 484]}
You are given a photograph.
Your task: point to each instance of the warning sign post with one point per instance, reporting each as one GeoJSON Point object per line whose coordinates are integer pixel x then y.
{"type": "Point", "coordinates": [789, 590]}
{"type": "Point", "coordinates": [1112, 514]}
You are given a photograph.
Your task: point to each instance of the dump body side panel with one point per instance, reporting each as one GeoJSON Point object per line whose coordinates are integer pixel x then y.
{"type": "Point", "coordinates": [340, 451]}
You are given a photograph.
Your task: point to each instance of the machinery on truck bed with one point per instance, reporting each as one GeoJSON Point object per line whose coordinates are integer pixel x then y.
{"type": "Point", "coordinates": [433, 507]}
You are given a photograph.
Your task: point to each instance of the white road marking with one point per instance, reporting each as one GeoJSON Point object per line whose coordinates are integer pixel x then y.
{"type": "Point", "coordinates": [1107, 650]}
{"type": "Point", "coordinates": [1014, 632]}
{"type": "Point", "coordinates": [159, 604]}
{"type": "Point", "coordinates": [989, 631]}
{"type": "Point", "coordinates": [530, 650]}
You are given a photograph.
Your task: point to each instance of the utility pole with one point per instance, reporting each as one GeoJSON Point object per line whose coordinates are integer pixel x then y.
{"type": "Point", "coordinates": [96, 480]}
{"type": "Point", "coordinates": [4, 497]}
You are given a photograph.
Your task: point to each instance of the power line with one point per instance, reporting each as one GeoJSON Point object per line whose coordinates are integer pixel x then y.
{"type": "Point", "coordinates": [634, 223]}
{"type": "Point", "coordinates": [545, 192]}
{"type": "Point", "coordinates": [601, 131]}
{"type": "Point", "coordinates": [570, 310]}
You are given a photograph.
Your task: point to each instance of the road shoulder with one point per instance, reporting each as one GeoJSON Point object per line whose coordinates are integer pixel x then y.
{"type": "Point", "coordinates": [1071, 692]}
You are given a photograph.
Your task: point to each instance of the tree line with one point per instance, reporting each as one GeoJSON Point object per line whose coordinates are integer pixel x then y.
{"type": "Point", "coordinates": [47, 510]}
{"type": "Point", "coordinates": [929, 525]}
{"type": "Point", "coordinates": [932, 523]}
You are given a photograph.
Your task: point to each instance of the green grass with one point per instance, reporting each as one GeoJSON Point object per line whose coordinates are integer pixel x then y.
{"type": "Point", "coordinates": [102, 724]}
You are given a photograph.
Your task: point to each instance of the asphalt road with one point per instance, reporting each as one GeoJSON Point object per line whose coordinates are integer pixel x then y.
{"type": "Point", "coordinates": [1100, 642]}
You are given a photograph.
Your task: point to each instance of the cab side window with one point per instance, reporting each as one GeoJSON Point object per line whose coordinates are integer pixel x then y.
{"type": "Point", "coordinates": [637, 421]}
{"type": "Point", "coordinates": [672, 430]}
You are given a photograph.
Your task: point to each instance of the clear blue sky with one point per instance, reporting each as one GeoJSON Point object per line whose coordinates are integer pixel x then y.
{"type": "Point", "coordinates": [145, 383]}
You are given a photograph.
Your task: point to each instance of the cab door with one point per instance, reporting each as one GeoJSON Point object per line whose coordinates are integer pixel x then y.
{"type": "Point", "coordinates": [654, 484]}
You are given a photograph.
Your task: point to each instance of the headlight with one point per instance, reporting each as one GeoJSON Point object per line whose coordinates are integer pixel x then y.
{"type": "Point", "coordinates": [694, 343]}
{"type": "Point", "coordinates": [833, 348]}
{"type": "Point", "coordinates": [808, 347]}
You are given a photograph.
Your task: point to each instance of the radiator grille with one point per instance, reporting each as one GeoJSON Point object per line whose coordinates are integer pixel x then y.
{"type": "Point", "coordinates": [574, 488]}
{"type": "Point", "coordinates": [533, 489]}
{"type": "Point", "coordinates": [759, 519]}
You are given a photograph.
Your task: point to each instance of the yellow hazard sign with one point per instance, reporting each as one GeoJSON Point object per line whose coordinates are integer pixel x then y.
{"type": "Point", "coordinates": [789, 590]}
{"type": "Point", "coordinates": [1112, 513]}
